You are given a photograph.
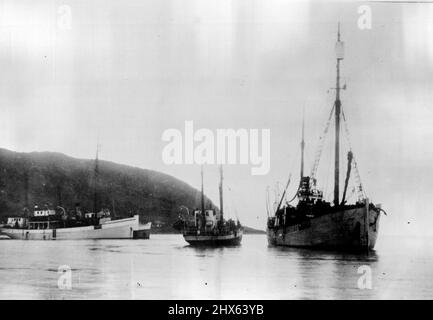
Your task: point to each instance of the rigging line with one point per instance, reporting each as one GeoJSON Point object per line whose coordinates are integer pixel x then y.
{"type": "Point", "coordinates": [327, 176]}
{"type": "Point", "coordinates": [235, 209]}
{"type": "Point", "coordinates": [291, 169]}
{"type": "Point", "coordinates": [318, 152]}
{"type": "Point", "coordinates": [361, 192]}
{"type": "Point", "coordinates": [321, 144]}
{"type": "Point", "coordinates": [231, 195]}
{"type": "Point", "coordinates": [277, 192]}
{"type": "Point", "coordinates": [295, 194]}
{"type": "Point", "coordinates": [350, 196]}
{"type": "Point", "coordinates": [284, 193]}
{"type": "Point", "coordinates": [267, 201]}
{"type": "Point", "coordinates": [346, 129]}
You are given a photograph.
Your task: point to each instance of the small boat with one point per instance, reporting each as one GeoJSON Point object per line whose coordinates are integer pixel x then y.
{"type": "Point", "coordinates": [207, 227]}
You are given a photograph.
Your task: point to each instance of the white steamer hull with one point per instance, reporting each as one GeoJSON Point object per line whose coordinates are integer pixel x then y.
{"type": "Point", "coordinates": [115, 229]}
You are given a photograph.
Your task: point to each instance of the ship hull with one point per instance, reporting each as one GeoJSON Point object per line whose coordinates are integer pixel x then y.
{"type": "Point", "coordinates": [350, 229]}
{"type": "Point", "coordinates": [143, 232]}
{"type": "Point", "coordinates": [214, 240]}
{"type": "Point", "coordinates": [114, 229]}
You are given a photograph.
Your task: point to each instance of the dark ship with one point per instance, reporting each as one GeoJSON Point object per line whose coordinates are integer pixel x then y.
{"type": "Point", "coordinates": [207, 227]}
{"type": "Point", "coordinates": [314, 222]}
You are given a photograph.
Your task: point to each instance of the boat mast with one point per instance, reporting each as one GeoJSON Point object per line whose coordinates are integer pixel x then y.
{"type": "Point", "coordinates": [202, 192]}
{"type": "Point", "coordinates": [114, 208]}
{"type": "Point", "coordinates": [95, 182]}
{"type": "Point", "coordinates": [339, 50]}
{"type": "Point", "coordinates": [302, 144]}
{"type": "Point", "coordinates": [221, 194]}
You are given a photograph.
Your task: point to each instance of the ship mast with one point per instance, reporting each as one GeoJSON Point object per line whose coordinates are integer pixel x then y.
{"type": "Point", "coordinates": [339, 50]}
{"type": "Point", "coordinates": [95, 182]}
{"type": "Point", "coordinates": [202, 192]}
{"type": "Point", "coordinates": [221, 194]}
{"type": "Point", "coordinates": [302, 144]}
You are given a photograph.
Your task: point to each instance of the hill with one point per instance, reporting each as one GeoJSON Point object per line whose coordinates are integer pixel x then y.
{"type": "Point", "coordinates": [56, 179]}
{"type": "Point", "coordinates": [248, 230]}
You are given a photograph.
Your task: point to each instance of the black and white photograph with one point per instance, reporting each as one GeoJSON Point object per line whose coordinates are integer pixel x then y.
{"type": "Point", "coordinates": [216, 150]}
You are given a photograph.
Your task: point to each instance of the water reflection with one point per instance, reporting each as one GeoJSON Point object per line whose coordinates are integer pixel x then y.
{"type": "Point", "coordinates": [165, 267]}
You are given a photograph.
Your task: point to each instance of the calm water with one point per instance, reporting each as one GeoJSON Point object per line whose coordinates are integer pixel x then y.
{"type": "Point", "coordinates": [165, 267]}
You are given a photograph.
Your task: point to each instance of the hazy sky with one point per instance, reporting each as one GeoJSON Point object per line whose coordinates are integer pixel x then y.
{"type": "Point", "coordinates": [128, 70]}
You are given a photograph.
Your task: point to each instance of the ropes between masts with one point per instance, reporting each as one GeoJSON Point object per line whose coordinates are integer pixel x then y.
{"type": "Point", "coordinates": [318, 152]}
{"type": "Point", "coordinates": [321, 145]}
{"type": "Point", "coordinates": [360, 189]}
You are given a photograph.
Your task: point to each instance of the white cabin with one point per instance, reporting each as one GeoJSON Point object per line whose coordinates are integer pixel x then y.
{"type": "Point", "coordinates": [44, 212]}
